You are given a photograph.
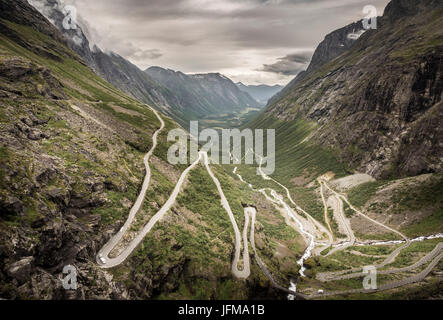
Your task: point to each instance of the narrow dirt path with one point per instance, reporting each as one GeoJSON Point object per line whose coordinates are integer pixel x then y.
{"type": "Point", "coordinates": [252, 212]}
{"type": "Point", "coordinates": [391, 285]}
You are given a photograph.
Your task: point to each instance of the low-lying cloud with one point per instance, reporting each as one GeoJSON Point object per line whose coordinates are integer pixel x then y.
{"type": "Point", "coordinates": [248, 40]}
{"type": "Point", "coordinates": [290, 65]}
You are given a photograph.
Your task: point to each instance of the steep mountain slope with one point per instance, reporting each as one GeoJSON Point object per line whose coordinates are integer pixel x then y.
{"type": "Point", "coordinates": [71, 166]}
{"type": "Point", "coordinates": [261, 93]}
{"type": "Point", "coordinates": [182, 100]}
{"type": "Point", "coordinates": [204, 94]}
{"type": "Point", "coordinates": [377, 107]}
{"type": "Point", "coordinates": [335, 44]}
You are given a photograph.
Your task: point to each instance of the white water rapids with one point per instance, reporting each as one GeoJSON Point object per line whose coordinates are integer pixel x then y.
{"type": "Point", "coordinates": [394, 242]}
{"type": "Point", "coordinates": [278, 199]}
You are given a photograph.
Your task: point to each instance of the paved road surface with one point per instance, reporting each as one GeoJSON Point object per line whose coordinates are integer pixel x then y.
{"type": "Point", "coordinates": [106, 262]}
{"type": "Point", "coordinates": [388, 286]}
{"type": "Point", "coordinates": [243, 274]}
{"type": "Point", "coordinates": [337, 205]}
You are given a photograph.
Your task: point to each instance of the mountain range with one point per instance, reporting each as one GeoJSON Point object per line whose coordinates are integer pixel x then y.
{"type": "Point", "coordinates": [182, 100]}
{"type": "Point", "coordinates": [261, 93]}
{"type": "Point", "coordinates": [208, 94]}
{"type": "Point", "coordinates": [84, 141]}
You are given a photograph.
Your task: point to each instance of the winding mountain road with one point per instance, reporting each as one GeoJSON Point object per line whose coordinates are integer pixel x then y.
{"type": "Point", "coordinates": [106, 262]}
{"type": "Point", "coordinates": [391, 285]}
{"type": "Point", "coordinates": [241, 239]}
{"type": "Point", "coordinates": [251, 212]}
{"type": "Point", "coordinates": [433, 257]}
{"type": "Point", "coordinates": [330, 276]}
{"type": "Point", "coordinates": [103, 256]}
{"type": "Point", "coordinates": [243, 274]}
{"type": "Point", "coordinates": [321, 229]}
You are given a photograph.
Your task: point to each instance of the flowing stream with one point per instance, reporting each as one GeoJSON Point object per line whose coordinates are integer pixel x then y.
{"type": "Point", "coordinates": [394, 242]}
{"type": "Point", "coordinates": [278, 199]}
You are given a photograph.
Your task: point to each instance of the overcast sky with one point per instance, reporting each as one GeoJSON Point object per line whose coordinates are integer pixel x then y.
{"type": "Point", "coordinates": [254, 41]}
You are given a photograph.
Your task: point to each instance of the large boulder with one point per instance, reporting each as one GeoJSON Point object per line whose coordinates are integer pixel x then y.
{"type": "Point", "coordinates": [21, 270]}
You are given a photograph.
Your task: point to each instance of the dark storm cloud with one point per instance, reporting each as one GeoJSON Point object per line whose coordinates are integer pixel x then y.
{"type": "Point", "coordinates": [291, 64]}
{"type": "Point", "coordinates": [234, 37]}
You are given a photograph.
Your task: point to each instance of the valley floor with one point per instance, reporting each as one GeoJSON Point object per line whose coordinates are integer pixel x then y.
{"type": "Point", "coordinates": [336, 250]}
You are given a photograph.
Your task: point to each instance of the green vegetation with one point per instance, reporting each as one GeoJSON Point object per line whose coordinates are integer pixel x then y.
{"type": "Point", "coordinates": [349, 213]}
{"type": "Point", "coordinates": [224, 121]}
{"type": "Point", "coordinates": [4, 154]}
{"type": "Point", "coordinates": [361, 194]}
{"type": "Point", "coordinates": [342, 260]}
{"type": "Point", "coordinates": [414, 252]}
{"type": "Point", "coordinates": [405, 198]}
{"type": "Point", "coordinates": [374, 250]}
{"type": "Point", "coordinates": [295, 158]}
{"type": "Point", "coordinates": [427, 198]}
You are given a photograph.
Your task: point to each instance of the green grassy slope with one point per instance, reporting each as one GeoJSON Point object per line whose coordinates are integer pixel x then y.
{"type": "Point", "coordinates": [71, 165]}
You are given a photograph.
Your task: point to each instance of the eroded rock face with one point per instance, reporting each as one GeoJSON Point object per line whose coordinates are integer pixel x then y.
{"type": "Point", "coordinates": [21, 270]}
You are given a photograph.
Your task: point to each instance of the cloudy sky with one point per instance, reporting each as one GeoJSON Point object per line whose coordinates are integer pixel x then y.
{"type": "Point", "coordinates": [254, 41]}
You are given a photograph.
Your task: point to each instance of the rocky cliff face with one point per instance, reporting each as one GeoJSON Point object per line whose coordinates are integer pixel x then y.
{"type": "Point", "coordinates": [378, 103]}
{"type": "Point", "coordinates": [335, 44]}
{"type": "Point", "coordinates": [204, 94]}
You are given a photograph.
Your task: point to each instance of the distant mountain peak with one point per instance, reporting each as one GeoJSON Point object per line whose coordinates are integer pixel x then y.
{"type": "Point", "coordinates": [262, 93]}
{"type": "Point", "coordinates": [204, 93]}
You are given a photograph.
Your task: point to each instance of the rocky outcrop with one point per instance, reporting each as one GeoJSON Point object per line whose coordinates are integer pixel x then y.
{"type": "Point", "coordinates": [40, 80]}
{"type": "Point", "coordinates": [183, 101]}
{"type": "Point", "coordinates": [21, 270]}
{"type": "Point", "coordinates": [71, 166]}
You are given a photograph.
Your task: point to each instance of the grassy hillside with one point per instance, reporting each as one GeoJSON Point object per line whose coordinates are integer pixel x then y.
{"type": "Point", "coordinates": [71, 165]}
